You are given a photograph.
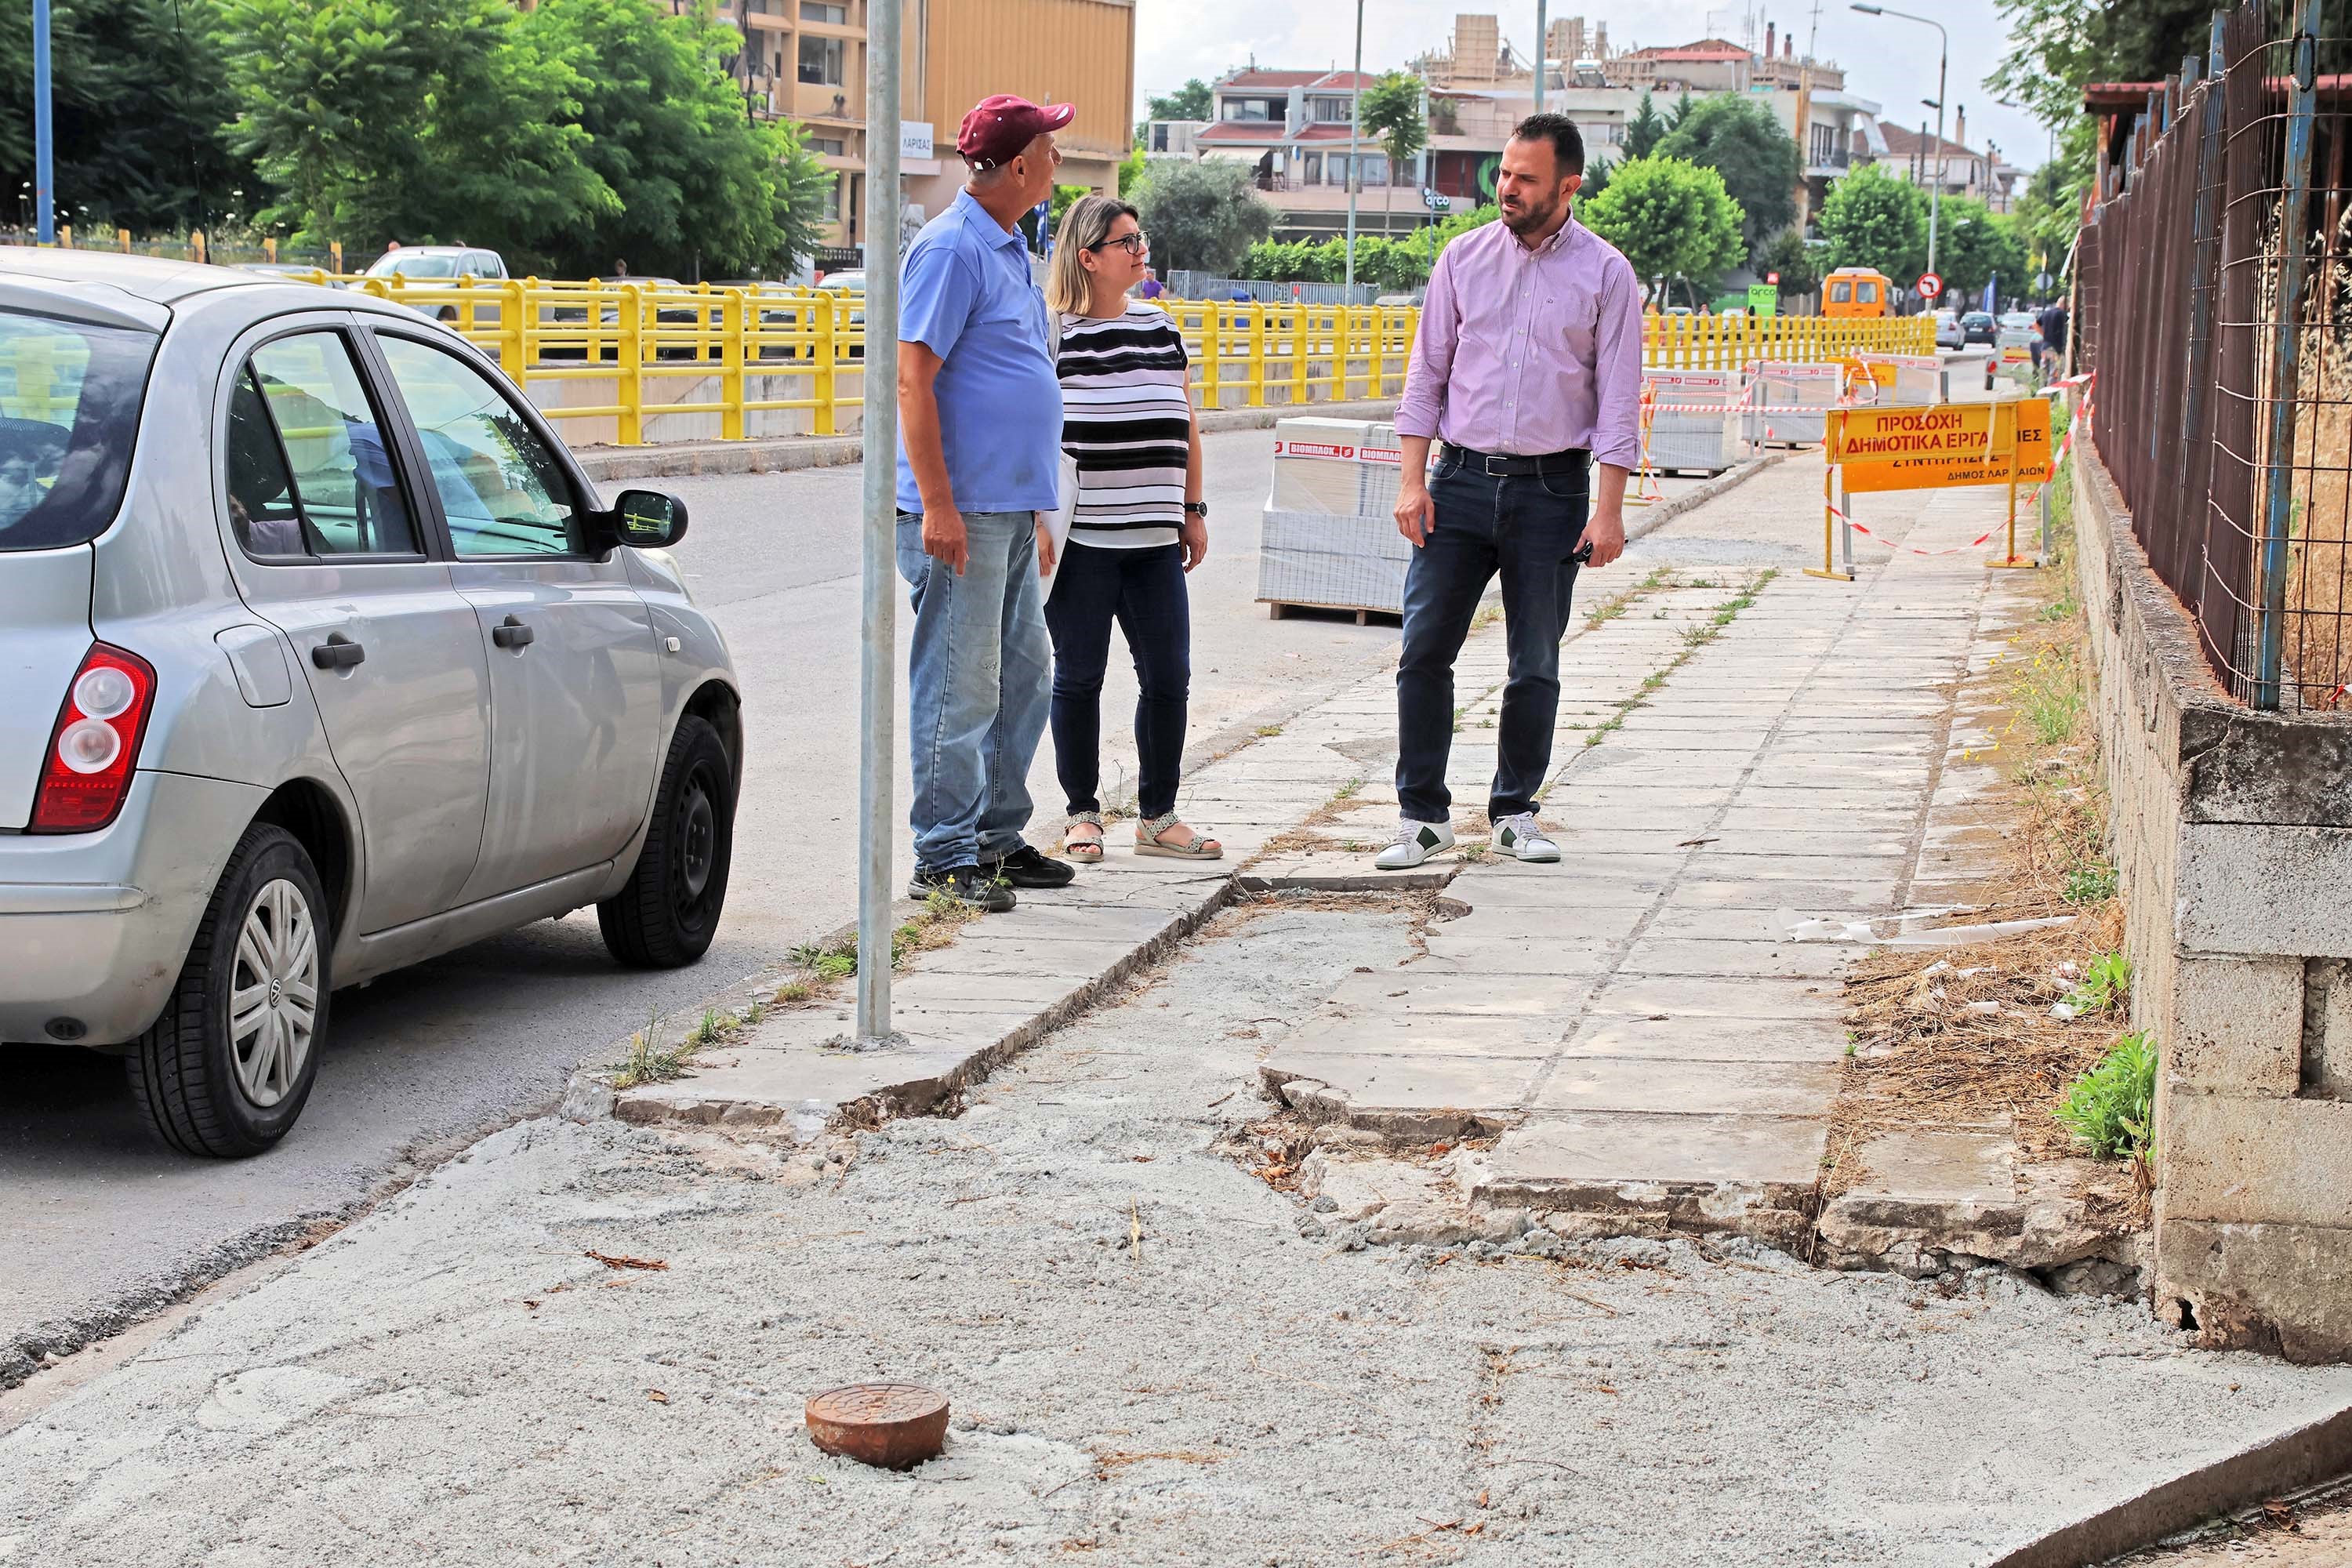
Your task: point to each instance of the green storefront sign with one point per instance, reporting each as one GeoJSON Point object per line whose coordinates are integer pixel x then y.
{"type": "Point", "coordinates": [1763, 300]}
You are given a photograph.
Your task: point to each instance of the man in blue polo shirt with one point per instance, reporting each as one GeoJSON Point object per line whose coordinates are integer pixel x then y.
{"type": "Point", "coordinates": [979, 436]}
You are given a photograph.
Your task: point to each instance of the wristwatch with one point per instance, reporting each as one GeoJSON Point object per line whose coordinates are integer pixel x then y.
{"type": "Point", "coordinates": [1199, 509]}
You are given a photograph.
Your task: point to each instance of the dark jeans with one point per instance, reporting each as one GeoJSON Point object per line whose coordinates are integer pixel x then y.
{"type": "Point", "coordinates": [1143, 591]}
{"type": "Point", "coordinates": [1526, 528]}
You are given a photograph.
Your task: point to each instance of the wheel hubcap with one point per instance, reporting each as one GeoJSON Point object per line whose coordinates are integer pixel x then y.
{"type": "Point", "coordinates": [697, 842]}
{"type": "Point", "coordinates": [273, 993]}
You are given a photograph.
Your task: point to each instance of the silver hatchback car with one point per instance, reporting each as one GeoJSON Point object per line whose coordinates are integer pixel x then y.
{"type": "Point", "coordinates": [319, 656]}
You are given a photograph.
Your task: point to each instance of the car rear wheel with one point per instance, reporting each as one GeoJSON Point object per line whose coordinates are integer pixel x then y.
{"type": "Point", "coordinates": [668, 912]}
{"type": "Point", "coordinates": [226, 1068]}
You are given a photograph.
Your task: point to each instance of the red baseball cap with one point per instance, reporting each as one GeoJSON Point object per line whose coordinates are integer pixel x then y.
{"type": "Point", "coordinates": [998, 126]}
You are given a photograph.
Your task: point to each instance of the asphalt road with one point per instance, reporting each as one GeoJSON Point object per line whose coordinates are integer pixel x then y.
{"type": "Point", "coordinates": [97, 1219]}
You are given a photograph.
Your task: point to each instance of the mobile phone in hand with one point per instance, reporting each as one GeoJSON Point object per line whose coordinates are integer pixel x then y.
{"type": "Point", "coordinates": [1583, 556]}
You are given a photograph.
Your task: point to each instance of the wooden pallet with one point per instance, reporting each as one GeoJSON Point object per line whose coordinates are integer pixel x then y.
{"type": "Point", "coordinates": [1280, 609]}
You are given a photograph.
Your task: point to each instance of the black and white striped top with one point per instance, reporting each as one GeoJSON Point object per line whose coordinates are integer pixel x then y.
{"type": "Point", "coordinates": [1127, 421]}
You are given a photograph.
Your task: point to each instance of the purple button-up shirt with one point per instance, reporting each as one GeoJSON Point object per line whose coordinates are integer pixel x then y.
{"type": "Point", "coordinates": [1529, 351]}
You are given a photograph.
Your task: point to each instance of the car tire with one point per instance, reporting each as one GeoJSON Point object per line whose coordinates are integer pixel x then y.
{"type": "Point", "coordinates": [668, 912]}
{"type": "Point", "coordinates": [205, 1087]}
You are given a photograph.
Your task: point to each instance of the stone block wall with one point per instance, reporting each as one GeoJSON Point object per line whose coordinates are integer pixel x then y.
{"type": "Point", "coordinates": [2233, 839]}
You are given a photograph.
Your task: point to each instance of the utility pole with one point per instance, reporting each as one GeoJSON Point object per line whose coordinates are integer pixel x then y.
{"type": "Point", "coordinates": [1543, 52]}
{"type": "Point", "coordinates": [879, 653]}
{"type": "Point", "coordinates": [1355, 146]}
{"type": "Point", "coordinates": [44, 131]}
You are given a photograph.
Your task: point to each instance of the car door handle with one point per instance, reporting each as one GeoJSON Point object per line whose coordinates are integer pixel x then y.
{"type": "Point", "coordinates": [338, 652]}
{"type": "Point", "coordinates": [511, 633]}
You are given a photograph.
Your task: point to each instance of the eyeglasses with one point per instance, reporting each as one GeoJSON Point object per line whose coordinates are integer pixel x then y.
{"type": "Point", "coordinates": [1134, 244]}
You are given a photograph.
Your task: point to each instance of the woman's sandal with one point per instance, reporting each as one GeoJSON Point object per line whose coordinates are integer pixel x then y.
{"type": "Point", "coordinates": [1150, 839]}
{"type": "Point", "coordinates": [1088, 851]}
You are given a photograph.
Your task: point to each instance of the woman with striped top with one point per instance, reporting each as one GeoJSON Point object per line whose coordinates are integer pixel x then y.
{"type": "Point", "coordinates": [1139, 526]}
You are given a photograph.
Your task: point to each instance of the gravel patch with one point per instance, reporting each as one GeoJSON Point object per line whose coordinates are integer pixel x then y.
{"type": "Point", "coordinates": [455, 1379]}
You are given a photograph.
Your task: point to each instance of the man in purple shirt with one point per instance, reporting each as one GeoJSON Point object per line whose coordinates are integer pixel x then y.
{"type": "Point", "coordinates": [1528, 371]}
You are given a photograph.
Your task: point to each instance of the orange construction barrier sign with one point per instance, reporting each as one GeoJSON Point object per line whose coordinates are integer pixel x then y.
{"type": "Point", "coordinates": [1904, 449]}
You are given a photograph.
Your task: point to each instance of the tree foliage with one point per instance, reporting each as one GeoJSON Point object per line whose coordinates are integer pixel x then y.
{"type": "Point", "coordinates": [2058, 47]}
{"type": "Point", "coordinates": [1201, 215]}
{"type": "Point", "coordinates": [1787, 254]}
{"type": "Point", "coordinates": [1872, 219]}
{"type": "Point", "coordinates": [1191, 102]}
{"type": "Point", "coordinates": [142, 110]}
{"type": "Point", "coordinates": [1646, 130]}
{"type": "Point", "coordinates": [1975, 246]}
{"type": "Point", "coordinates": [411, 119]}
{"type": "Point", "coordinates": [701, 187]}
{"type": "Point", "coordinates": [1391, 110]}
{"type": "Point", "coordinates": [1671, 218]}
{"type": "Point", "coordinates": [1739, 138]}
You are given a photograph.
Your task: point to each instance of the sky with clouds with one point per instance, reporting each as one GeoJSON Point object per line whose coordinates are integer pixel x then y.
{"type": "Point", "coordinates": [1889, 60]}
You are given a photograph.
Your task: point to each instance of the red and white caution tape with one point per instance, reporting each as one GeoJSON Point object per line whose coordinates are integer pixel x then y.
{"type": "Point", "coordinates": [1978, 543]}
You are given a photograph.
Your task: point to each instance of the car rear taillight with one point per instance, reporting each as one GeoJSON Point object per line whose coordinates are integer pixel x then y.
{"type": "Point", "coordinates": [88, 772]}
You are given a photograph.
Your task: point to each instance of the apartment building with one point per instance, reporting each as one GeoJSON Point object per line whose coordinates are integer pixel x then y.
{"type": "Point", "coordinates": [1919, 157]}
{"type": "Point", "coordinates": [805, 60]}
{"type": "Point", "coordinates": [1293, 128]}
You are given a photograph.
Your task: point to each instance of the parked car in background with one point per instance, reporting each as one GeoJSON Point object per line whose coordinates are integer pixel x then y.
{"type": "Point", "coordinates": [680, 316]}
{"type": "Point", "coordinates": [350, 666]}
{"type": "Point", "coordinates": [849, 282]}
{"type": "Point", "coordinates": [1979, 327]}
{"type": "Point", "coordinates": [293, 269]}
{"type": "Point", "coordinates": [2021, 321]}
{"type": "Point", "coordinates": [1949, 332]}
{"type": "Point", "coordinates": [425, 270]}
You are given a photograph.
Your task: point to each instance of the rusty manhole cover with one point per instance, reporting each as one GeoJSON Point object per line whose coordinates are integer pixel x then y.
{"type": "Point", "coordinates": [897, 1425]}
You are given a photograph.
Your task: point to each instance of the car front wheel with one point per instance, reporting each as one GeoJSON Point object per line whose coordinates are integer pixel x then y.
{"type": "Point", "coordinates": [226, 1068]}
{"type": "Point", "coordinates": [668, 912]}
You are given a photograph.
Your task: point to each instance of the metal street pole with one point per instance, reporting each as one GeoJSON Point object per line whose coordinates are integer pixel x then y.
{"type": "Point", "coordinates": [877, 656]}
{"type": "Point", "coordinates": [44, 132]}
{"type": "Point", "coordinates": [1355, 146]}
{"type": "Point", "coordinates": [1943, 61]}
{"type": "Point", "coordinates": [1543, 51]}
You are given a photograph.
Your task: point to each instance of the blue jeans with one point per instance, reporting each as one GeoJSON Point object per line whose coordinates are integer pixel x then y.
{"type": "Point", "coordinates": [1143, 590]}
{"type": "Point", "coordinates": [976, 687]}
{"type": "Point", "coordinates": [1526, 528]}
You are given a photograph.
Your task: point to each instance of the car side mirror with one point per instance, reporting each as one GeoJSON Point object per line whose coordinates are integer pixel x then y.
{"type": "Point", "coordinates": [649, 519]}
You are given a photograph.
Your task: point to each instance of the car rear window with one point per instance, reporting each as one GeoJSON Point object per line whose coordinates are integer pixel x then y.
{"type": "Point", "coordinates": [70, 397]}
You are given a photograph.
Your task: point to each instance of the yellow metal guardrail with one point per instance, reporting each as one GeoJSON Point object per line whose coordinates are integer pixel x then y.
{"type": "Point", "coordinates": [669, 349]}
{"type": "Point", "coordinates": [1728, 342]}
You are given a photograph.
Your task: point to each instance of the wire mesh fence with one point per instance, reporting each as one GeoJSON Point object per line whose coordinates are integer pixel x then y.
{"type": "Point", "coordinates": [2214, 303]}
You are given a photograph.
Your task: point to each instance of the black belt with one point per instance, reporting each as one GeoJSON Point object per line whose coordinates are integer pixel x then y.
{"type": "Point", "coordinates": [1501, 466]}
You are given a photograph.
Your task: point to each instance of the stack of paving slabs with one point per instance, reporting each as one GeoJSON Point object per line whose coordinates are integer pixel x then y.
{"type": "Point", "coordinates": [1694, 420]}
{"type": "Point", "coordinates": [1330, 538]}
{"type": "Point", "coordinates": [1911, 380]}
{"type": "Point", "coordinates": [1792, 401]}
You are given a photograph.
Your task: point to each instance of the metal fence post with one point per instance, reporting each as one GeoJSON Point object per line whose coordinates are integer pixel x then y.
{"type": "Point", "coordinates": [823, 380]}
{"type": "Point", "coordinates": [878, 652]}
{"type": "Point", "coordinates": [2286, 346]}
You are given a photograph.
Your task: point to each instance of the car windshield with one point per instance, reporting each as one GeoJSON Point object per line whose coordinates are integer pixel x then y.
{"type": "Point", "coordinates": [410, 265]}
{"type": "Point", "coordinates": [69, 398]}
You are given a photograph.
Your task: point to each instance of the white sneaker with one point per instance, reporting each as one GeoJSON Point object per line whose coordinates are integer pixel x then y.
{"type": "Point", "coordinates": [1520, 836]}
{"type": "Point", "coordinates": [1414, 842]}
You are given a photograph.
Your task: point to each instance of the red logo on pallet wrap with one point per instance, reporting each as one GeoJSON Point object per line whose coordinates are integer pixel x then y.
{"type": "Point", "coordinates": [1311, 450]}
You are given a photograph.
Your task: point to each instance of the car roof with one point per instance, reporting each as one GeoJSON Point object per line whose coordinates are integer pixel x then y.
{"type": "Point", "coordinates": [150, 279]}
{"type": "Point", "coordinates": [434, 250]}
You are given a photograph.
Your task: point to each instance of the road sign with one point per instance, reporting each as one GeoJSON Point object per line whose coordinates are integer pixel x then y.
{"type": "Point", "coordinates": [1773, 279]}
{"type": "Point", "coordinates": [1930, 285]}
{"type": "Point", "coordinates": [1941, 448]}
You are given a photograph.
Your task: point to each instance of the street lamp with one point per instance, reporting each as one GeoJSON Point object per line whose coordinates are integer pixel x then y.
{"type": "Point", "coordinates": [1355, 146]}
{"type": "Point", "coordinates": [1943, 60]}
